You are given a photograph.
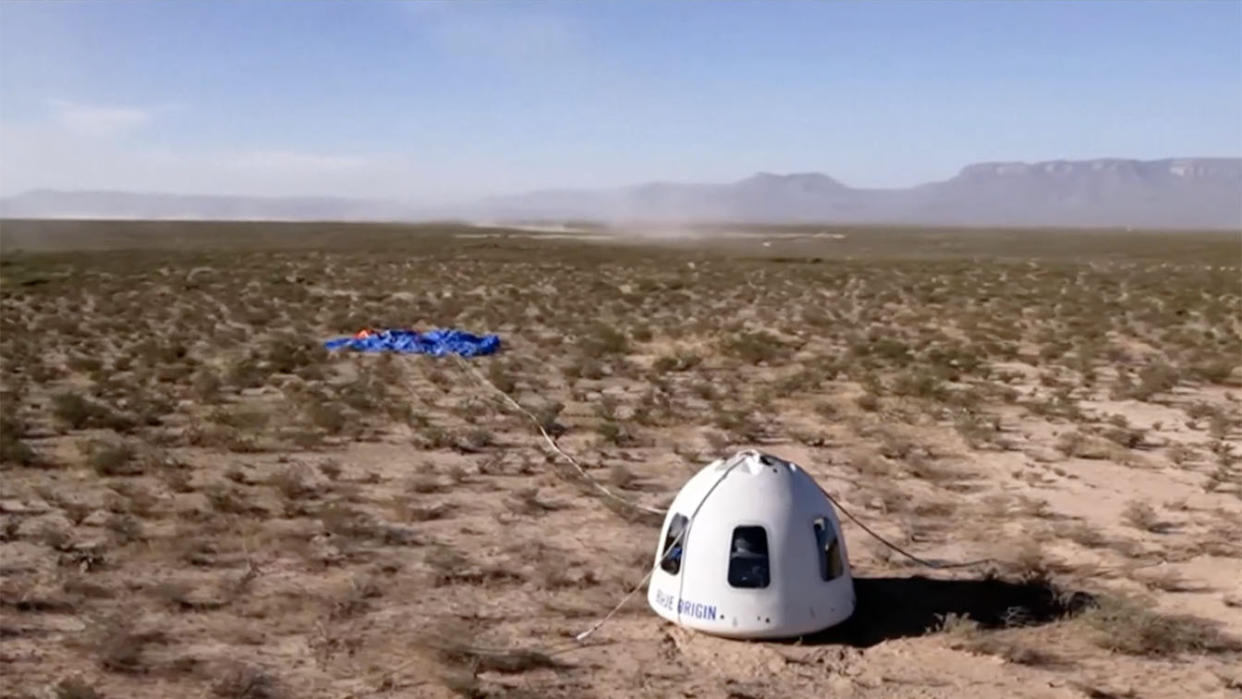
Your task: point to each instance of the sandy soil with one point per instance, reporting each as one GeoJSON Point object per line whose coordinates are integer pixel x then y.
{"type": "Point", "coordinates": [196, 500]}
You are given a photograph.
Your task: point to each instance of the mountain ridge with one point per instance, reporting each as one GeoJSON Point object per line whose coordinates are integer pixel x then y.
{"type": "Point", "coordinates": [1201, 192]}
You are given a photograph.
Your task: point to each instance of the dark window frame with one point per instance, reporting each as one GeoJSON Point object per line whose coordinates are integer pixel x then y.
{"type": "Point", "coordinates": [750, 570]}
{"type": "Point", "coordinates": [674, 549]}
{"type": "Point", "coordinates": [831, 563]}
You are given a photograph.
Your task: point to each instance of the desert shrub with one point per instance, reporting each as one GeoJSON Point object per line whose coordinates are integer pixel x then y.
{"type": "Point", "coordinates": [1133, 627]}
{"type": "Point", "coordinates": [287, 354]}
{"type": "Point", "coordinates": [424, 484]}
{"type": "Point", "coordinates": [399, 410]}
{"type": "Point", "coordinates": [919, 385]}
{"type": "Point", "coordinates": [113, 458]}
{"type": "Point", "coordinates": [238, 418]}
{"type": "Point", "coordinates": [621, 476]}
{"type": "Point", "coordinates": [612, 432]}
{"type": "Point", "coordinates": [889, 349]}
{"type": "Point", "coordinates": [245, 372]}
{"type": "Point", "coordinates": [331, 469]}
{"type": "Point", "coordinates": [1219, 426]}
{"type": "Point", "coordinates": [868, 402]}
{"type": "Point", "coordinates": [1084, 535]}
{"type": "Point", "coordinates": [459, 655]}
{"type": "Point", "coordinates": [173, 373]}
{"type": "Point", "coordinates": [294, 482]}
{"type": "Point", "coordinates": [954, 624]}
{"type": "Point", "coordinates": [84, 364]}
{"type": "Point", "coordinates": [1180, 454]}
{"type": "Point", "coordinates": [123, 649]}
{"type": "Point", "coordinates": [827, 410]}
{"type": "Point", "coordinates": [754, 347]}
{"type": "Point", "coordinates": [246, 682]}
{"type": "Point", "coordinates": [1213, 371]}
{"type": "Point", "coordinates": [740, 423]}
{"type": "Point", "coordinates": [1141, 515]}
{"type": "Point", "coordinates": [816, 317]}
{"type": "Point", "coordinates": [436, 437]}
{"type": "Point", "coordinates": [606, 407]}
{"type": "Point", "coordinates": [1014, 651]}
{"type": "Point", "coordinates": [977, 430]}
{"type": "Point", "coordinates": [76, 688]}
{"type": "Point", "coordinates": [207, 385]}
{"type": "Point", "coordinates": [327, 416]}
{"type": "Point", "coordinates": [228, 500]}
{"type": "Point", "coordinates": [1077, 444]}
{"type": "Point", "coordinates": [1053, 350]}
{"type": "Point", "coordinates": [364, 394]}
{"type": "Point", "coordinates": [955, 359]}
{"type": "Point", "coordinates": [1061, 404]}
{"type": "Point", "coordinates": [77, 412]}
{"type": "Point", "coordinates": [126, 528]}
{"type": "Point", "coordinates": [704, 389]}
{"type": "Point", "coordinates": [1200, 410]}
{"type": "Point", "coordinates": [681, 361]}
{"type": "Point", "coordinates": [547, 417]}
{"type": "Point", "coordinates": [440, 378]}
{"type": "Point", "coordinates": [348, 523]}
{"type": "Point", "coordinates": [501, 378]}
{"type": "Point", "coordinates": [12, 449]}
{"type": "Point", "coordinates": [1128, 438]}
{"type": "Point", "coordinates": [1123, 387]}
{"type": "Point", "coordinates": [407, 511]}
{"type": "Point", "coordinates": [388, 369]}
{"type": "Point", "coordinates": [145, 408]}
{"type": "Point", "coordinates": [525, 501]}
{"type": "Point", "coordinates": [446, 563]}
{"type": "Point", "coordinates": [475, 439]}
{"type": "Point", "coordinates": [1154, 378]}
{"type": "Point", "coordinates": [603, 339]}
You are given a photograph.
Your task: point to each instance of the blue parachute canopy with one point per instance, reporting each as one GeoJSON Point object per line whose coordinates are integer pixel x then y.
{"type": "Point", "coordinates": [437, 343]}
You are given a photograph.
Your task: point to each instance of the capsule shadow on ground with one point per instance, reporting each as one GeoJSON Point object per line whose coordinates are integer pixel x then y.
{"type": "Point", "coordinates": [890, 608]}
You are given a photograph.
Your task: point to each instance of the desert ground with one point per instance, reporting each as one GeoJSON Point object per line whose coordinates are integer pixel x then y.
{"type": "Point", "coordinates": [197, 500]}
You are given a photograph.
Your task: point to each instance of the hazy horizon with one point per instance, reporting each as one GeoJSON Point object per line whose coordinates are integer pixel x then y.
{"type": "Point", "coordinates": [622, 186]}
{"type": "Point", "coordinates": [432, 103]}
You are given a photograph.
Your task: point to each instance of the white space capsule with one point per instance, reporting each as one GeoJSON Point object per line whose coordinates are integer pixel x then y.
{"type": "Point", "coordinates": [752, 548]}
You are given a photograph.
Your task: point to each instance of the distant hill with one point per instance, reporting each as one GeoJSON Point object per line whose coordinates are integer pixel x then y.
{"type": "Point", "coordinates": [1173, 193]}
{"type": "Point", "coordinates": [1203, 193]}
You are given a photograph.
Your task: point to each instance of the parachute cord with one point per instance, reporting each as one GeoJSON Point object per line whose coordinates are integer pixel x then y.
{"type": "Point", "coordinates": [604, 619]}
{"type": "Point", "coordinates": [938, 565]}
{"type": "Point", "coordinates": [604, 490]}
{"type": "Point", "coordinates": [681, 536]}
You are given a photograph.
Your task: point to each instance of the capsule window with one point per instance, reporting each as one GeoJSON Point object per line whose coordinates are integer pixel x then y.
{"type": "Point", "coordinates": [674, 545]}
{"type": "Point", "coordinates": [748, 558]}
{"type": "Point", "coordinates": [831, 565]}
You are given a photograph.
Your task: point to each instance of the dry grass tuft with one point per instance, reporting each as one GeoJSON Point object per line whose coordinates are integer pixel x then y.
{"type": "Point", "coordinates": [1142, 515]}
{"type": "Point", "coordinates": [76, 688]}
{"type": "Point", "coordinates": [1131, 626]}
{"type": "Point", "coordinates": [508, 661]}
{"type": "Point", "coordinates": [247, 682]}
{"type": "Point", "coordinates": [123, 649]}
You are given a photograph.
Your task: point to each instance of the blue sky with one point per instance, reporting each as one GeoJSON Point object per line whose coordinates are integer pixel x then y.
{"type": "Point", "coordinates": [435, 102]}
